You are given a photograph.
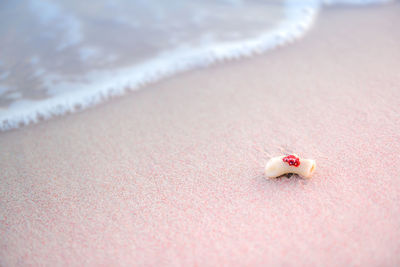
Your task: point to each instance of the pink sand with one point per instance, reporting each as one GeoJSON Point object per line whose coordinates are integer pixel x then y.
{"type": "Point", "coordinates": [172, 175]}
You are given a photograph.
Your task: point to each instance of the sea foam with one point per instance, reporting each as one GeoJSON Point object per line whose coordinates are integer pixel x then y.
{"type": "Point", "coordinates": [72, 56]}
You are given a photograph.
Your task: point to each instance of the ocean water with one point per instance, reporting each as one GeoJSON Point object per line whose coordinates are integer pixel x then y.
{"type": "Point", "coordinates": [60, 56]}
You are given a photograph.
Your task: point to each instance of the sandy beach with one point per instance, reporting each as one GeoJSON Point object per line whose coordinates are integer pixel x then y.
{"type": "Point", "coordinates": [173, 174]}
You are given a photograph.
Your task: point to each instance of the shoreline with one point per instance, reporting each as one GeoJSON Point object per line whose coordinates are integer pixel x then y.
{"type": "Point", "coordinates": [172, 174]}
{"type": "Point", "coordinates": [296, 22]}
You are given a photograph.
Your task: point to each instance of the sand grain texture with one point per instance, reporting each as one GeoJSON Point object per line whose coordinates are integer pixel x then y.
{"type": "Point", "coordinates": [172, 175]}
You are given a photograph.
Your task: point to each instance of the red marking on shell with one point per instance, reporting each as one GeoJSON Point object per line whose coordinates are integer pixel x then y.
{"type": "Point", "coordinates": [292, 160]}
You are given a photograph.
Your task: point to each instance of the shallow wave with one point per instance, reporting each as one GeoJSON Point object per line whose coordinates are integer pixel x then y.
{"type": "Point", "coordinates": [65, 56]}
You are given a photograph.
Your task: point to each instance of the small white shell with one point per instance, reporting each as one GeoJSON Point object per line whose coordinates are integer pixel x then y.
{"type": "Point", "coordinates": [277, 167]}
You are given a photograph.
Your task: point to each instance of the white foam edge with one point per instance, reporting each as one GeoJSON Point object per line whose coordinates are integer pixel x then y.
{"type": "Point", "coordinates": [299, 19]}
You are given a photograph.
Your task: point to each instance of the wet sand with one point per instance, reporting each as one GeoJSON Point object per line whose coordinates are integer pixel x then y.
{"type": "Point", "coordinates": [173, 174]}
